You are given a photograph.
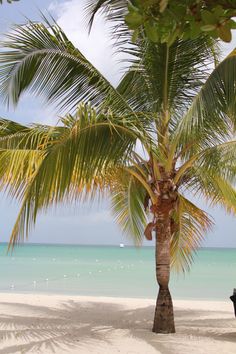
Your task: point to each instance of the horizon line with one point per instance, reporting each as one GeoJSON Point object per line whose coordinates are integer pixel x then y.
{"type": "Point", "coordinates": [99, 245]}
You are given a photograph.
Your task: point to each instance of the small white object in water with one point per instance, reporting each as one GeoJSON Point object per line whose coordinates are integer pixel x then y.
{"type": "Point", "coordinates": [78, 275]}
{"type": "Point", "coordinates": [100, 271]}
{"type": "Point", "coordinates": [34, 282]}
{"type": "Point", "coordinates": [12, 286]}
{"type": "Point", "coordinates": [54, 259]}
{"type": "Point", "coordinates": [96, 260]}
{"type": "Point", "coordinates": [46, 279]}
{"type": "Point", "coordinates": [122, 245]}
{"type": "Point", "coordinates": [90, 273]}
{"type": "Point", "coordinates": [65, 275]}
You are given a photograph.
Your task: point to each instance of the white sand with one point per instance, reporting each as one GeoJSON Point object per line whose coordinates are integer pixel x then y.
{"type": "Point", "coordinates": [70, 324]}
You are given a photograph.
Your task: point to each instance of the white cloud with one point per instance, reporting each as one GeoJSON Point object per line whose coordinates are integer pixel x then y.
{"type": "Point", "coordinates": [97, 46]}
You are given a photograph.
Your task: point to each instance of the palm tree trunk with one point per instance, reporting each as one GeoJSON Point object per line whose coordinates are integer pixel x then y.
{"type": "Point", "coordinates": [164, 314]}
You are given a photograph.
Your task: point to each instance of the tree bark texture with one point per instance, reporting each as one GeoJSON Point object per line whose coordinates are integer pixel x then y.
{"type": "Point", "coordinates": [164, 314]}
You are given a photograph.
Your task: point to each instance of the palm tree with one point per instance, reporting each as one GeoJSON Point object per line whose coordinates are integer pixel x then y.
{"type": "Point", "coordinates": [170, 102]}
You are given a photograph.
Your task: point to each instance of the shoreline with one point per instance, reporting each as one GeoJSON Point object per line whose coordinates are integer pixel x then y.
{"type": "Point", "coordinates": [97, 298]}
{"type": "Point", "coordinates": [41, 323]}
{"type": "Point", "coordinates": [73, 295]}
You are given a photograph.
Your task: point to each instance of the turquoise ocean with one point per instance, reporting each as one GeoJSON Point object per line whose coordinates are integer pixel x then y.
{"type": "Point", "coordinates": [112, 271]}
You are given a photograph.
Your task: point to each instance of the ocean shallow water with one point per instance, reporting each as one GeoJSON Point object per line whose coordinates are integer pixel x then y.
{"type": "Point", "coordinates": [112, 271]}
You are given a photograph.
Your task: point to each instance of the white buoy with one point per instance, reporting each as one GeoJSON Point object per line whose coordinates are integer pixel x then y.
{"type": "Point", "coordinates": [65, 275]}
{"type": "Point", "coordinates": [122, 245]}
{"type": "Point", "coordinates": [46, 279]}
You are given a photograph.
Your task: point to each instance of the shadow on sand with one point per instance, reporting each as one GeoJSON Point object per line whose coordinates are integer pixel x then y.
{"type": "Point", "coordinates": [75, 324]}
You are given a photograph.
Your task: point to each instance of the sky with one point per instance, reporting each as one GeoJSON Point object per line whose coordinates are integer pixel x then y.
{"type": "Point", "coordinates": [81, 224]}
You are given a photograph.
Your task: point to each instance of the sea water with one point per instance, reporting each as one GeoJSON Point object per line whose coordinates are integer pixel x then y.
{"type": "Point", "coordinates": [112, 271]}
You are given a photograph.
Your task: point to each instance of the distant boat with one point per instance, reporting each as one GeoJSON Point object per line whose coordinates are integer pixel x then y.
{"type": "Point", "coordinates": [122, 245]}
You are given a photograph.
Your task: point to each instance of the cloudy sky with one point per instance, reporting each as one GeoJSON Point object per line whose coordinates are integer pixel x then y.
{"type": "Point", "coordinates": [80, 224]}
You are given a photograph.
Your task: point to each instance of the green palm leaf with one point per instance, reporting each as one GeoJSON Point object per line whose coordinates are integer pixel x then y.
{"type": "Point", "coordinates": [127, 200]}
{"type": "Point", "coordinates": [170, 76]}
{"type": "Point", "coordinates": [40, 58]}
{"type": "Point", "coordinates": [190, 224]}
{"type": "Point", "coordinates": [211, 174]}
{"type": "Point", "coordinates": [60, 166]}
{"type": "Point", "coordinates": [211, 119]}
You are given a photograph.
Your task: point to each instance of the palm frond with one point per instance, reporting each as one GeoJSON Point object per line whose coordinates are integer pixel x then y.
{"type": "Point", "coordinates": [40, 58]}
{"type": "Point", "coordinates": [21, 151]}
{"type": "Point", "coordinates": [219, 160]}
{"type": "Point", "coordinates": [211, 173]}
{"type": "Point", "coordinates": [214, 188]}
{"type": "Point", "coordinates": [170, 76]}
{"type": "Point", "coordinates": [87, 146]}
{"type": "Point", "coordinates": [189, 227]}
{"type": "Point", "coordinates": [114, 10]}
{"type": "Point", "coordinates": [7, 127]}
{"type": "Point", "coordinates": [211, 119]}
{"type": "Point", "coordinates": [127, 198]}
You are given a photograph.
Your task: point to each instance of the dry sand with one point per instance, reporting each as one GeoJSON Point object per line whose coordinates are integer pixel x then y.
{"type": "Point", "coordinates": [70, 324]}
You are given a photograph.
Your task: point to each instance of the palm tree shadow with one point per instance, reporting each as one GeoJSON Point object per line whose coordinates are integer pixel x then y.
{"type": "Point", "coordinates": [76, 326]}
{"type": "Point", "coordinates": [69, 327]}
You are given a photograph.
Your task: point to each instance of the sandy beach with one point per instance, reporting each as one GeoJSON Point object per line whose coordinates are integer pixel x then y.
{"type": "Point", "coordinates": [71, 324]}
